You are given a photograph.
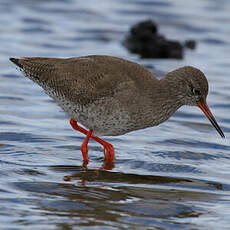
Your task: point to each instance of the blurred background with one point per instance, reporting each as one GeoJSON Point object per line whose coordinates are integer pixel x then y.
{"type": "Point", "coordinates": [174, 176]}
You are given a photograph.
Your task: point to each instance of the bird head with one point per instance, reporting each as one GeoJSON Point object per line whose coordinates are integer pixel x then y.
{"type": "Point", "coordinates": [191, 88]}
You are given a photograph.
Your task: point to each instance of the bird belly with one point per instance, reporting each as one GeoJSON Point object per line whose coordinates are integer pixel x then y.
{"type": "Point", "coordinates": [105, 117]}
{"type": "Point", "coordinates": [104, 120]}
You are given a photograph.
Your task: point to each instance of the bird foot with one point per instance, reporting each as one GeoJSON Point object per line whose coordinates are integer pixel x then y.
{"type": "Point", "coordinates": [108, 148]}
{"type": "Point", "coordinates": [108, 165]}
{"type": "Point", "coordinates": [109, 152]}
{"type": "Point", "coordinates": [85, 163]}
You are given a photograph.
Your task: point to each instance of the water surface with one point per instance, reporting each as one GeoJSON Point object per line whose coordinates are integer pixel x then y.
{"type": "Point", "coordinates": [174, 176]}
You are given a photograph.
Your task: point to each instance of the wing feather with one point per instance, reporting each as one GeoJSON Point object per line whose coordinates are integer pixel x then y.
{"type": "Point", "coordinates": [86, 79]}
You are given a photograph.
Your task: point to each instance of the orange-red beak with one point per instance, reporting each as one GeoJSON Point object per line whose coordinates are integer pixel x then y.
{"type": "Point", "coordinates": [204, 107]}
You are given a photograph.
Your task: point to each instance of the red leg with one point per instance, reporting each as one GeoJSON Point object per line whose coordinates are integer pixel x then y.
{"type": "Point", "coordinates": [84, 147]}
{"type": "Point", "coordinates": [108, 148]}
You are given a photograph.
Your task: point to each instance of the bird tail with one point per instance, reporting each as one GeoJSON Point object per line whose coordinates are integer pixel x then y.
{"type": "Point", "coordinates": [16, 62]}
{"type": "Point", "coordinates": [37, 69]}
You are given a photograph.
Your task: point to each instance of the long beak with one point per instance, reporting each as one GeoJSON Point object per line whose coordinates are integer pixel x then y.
{"type": "Point", "coordinates": [204, 107]}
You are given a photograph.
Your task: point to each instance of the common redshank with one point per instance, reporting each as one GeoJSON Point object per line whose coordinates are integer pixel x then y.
{"type": "Point", "coordinates": [111, 96]}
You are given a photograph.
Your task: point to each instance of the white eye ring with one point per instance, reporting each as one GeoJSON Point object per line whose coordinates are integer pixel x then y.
{"type": "Point", "coordinates": [196, 92]}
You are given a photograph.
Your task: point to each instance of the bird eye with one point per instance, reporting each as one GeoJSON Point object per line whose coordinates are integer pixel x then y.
{"type": "Point", "coordinates": [196, 92]}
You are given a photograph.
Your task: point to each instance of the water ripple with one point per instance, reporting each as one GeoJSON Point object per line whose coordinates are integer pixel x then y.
{"type": "Point", "coordinates": [175, 176]}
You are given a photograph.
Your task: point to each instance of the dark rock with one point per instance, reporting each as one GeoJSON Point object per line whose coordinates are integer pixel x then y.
{"type": "Point", "coordinates": [145, 29]}
{"type": "Point", "coordinates": [191, 44]}
{"type": "Point", "coordinates": [144, 39]}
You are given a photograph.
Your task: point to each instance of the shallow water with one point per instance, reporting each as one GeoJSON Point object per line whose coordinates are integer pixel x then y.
{"type": "Point", "coordinates": [174, 176]}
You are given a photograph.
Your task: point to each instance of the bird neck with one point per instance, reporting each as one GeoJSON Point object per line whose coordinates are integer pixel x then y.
{"type": "Point", "coordinates": [170, 90]}
{"type": "Point", "coordinates": [165, 99]}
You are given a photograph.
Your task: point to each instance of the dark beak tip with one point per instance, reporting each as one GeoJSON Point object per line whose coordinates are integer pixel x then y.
{"type": "Point", "coordinates": [204, 107]}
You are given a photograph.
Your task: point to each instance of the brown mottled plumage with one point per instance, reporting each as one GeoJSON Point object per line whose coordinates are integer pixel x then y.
{"type": "Point", "coordinates": [113, 96]}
